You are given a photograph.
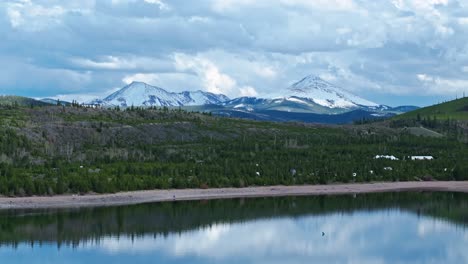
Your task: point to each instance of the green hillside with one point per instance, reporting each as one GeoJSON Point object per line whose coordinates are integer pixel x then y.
{"type": "Point", "coordinates": [13, 100]}
{"type": "Point", "coordinates": [72, 149]}
{"type": "Point", "coordinates": [455, 110]}
{"type": "Point", "coordinates": [55, 102]}
{"type": "Point", "coordinates": [448, 119]}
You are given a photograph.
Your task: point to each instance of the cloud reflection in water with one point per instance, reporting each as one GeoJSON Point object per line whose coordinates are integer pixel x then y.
{"type": "Point", "coordinates": [388, 236]}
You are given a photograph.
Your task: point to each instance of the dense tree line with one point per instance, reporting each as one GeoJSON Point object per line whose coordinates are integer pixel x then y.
{"type": "Point", "coordinates": [213, 152]}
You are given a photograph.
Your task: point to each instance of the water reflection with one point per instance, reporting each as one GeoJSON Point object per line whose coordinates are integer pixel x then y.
{"type": "Point", "coordinates": [384, 228]}
{"type": "Point", "coordinates": [377, 237]}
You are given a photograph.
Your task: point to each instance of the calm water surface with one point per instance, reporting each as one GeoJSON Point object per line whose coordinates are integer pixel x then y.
{"type": "Point", "coordinates": [373, 228]}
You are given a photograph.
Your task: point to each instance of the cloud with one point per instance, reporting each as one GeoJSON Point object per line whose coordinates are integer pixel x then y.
{"type": "Point", "coordinates": [82, 98]}
{"type": "Point", "coordinates": [237, 5]}
{"type": "Point", "coordinates": [30, 16]}
{"type": "Point", "coordinates": [440, 86]}
{"type": "Point", "coordinates": [149, 78]}
{"type": "Point", "coordinates": [248, 91]}
{"type": "Point", "coordinates": [242, 47]}
{"type": "Point", "coordinates": [345, 5]}
{"type": "Point", "coordinates": [110, 62]}
{"type": "Point", "coordinates": [265, 71]}
{"type": "Point", "coordinates": [159, 3]}
{"type": "Point", "coordinates": [124, 63]}
{"type": "Point", "coordinates": [212, 78]}
{"type": "Point", "coordinates": [463, 21]}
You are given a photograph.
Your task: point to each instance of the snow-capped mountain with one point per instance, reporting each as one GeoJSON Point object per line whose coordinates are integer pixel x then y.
{"type": "Point", "coordinates": [142, 94]}
{"type": "Point", "coordinates": [311, 99]}
{"type": "Point", "coordinates": [287, 104]}
{"type": "Point", "coordinates": [310, 95]}
{"type": "Point", "coordinates": [326, 94]}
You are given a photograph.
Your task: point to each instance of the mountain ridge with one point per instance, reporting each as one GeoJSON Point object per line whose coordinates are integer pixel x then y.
{"type": "Point", "coordinates": [309, 95]}
{"type": "Point", "coordinates": [327, 94]}
{"type": "Point", "coordinates": [143, 94]}
{"type": "Point", "coordinates": [311, 99]}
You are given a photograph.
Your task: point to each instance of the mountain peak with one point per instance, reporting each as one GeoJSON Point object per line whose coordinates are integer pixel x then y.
{"type": "Point", "coordinates": [143, 94]}
{"type": "Point", "coordinates": [312, 78]}
{"type": "Point", "coordinates": [327, 94]}
{"type": "Point", "coordinates": [134, 84]}
{"type": "Point", "coordinates": [140, 85]}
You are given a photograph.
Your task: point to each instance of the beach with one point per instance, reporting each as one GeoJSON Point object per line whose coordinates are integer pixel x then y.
{"type": "Point", "coordinates": [138, 197]}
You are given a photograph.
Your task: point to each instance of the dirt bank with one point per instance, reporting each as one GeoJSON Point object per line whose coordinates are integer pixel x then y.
{"type": "Point", "coordinates": [70, 201]}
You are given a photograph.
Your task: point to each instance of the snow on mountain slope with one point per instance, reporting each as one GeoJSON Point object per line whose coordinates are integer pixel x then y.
{"type": "Point", "coordinates": [246, 103]}
{"type": "Point", "coordinates": [203, 98]}
{"type": "Point", "coordinates": [310, 95]}
{"type": "Point", "coordinates": [142, 94]}
{"type": "Point", "coordinates": [327, 94]}
{"type": "Point", "coordinates": [290, 104]}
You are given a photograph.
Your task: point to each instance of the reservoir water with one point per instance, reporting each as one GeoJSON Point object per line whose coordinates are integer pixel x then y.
{"type": "Point", "coordinates": [366, 228]}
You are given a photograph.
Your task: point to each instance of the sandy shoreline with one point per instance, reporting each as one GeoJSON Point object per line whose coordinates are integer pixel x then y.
{"type": "Point", "coordinates": [137, 197]}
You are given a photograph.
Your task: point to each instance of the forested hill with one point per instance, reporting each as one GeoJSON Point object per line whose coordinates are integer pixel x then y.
{"type": "Point", "coordinates": [449, 118]}
{"type": "Point", "coordinates": [70, 149]}
{"type": "Point", "coordinates": [454, 110]}
{"type": "Point", "coordinates": [13, 100]}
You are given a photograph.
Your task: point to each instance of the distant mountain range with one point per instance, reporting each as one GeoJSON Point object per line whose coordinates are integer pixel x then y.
{"type": "Point", "coordinates": [309, 100]}
{"type": "Point", "coordinates": [142, 94]}
{"type": "Point", "coordinates": [311, 94]}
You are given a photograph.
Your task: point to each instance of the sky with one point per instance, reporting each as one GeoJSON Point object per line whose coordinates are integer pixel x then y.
{"type": "Point", "coordinates": [393, 52]}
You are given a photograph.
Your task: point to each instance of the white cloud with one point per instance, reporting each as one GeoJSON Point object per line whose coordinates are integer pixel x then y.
{"type": "Point", "coordinates": [213, 79]}
{"type": "Point", "coordinates": [428, 4]}
{"type": "Point", "coordinates": [248, 91]}
{"type": "Point", "coordinates": [16, 19]}
{"type": "Point", "coordinates": [109, 62]}
{"type": "Point", "coordinates": [337, 5]}
{"type": "Point", "coordinates": [149, 78]}
{"type": "Point", "coordinates": [265, 71]}
{"type": "Point", "coordinates": [345, 5]}
{"type": "Point", "coordinates": [418, 5]}
{"type": "Point", "coordinates": [171, 82]}
{"type": "Point", "coordinates": [343, 30]}
{"type": "Point", "coordinates": [425, 78]}
{"type": "Point", "coordinates": [226, 5]}
{"type": "Point", "coordinates": [31, 16]}
{"type": "Point", "coordinates": [328, 77]}
{"type": "Point", "coordinates": [199, 19]}
{"type": "Point", "coordinates": [443, 86]}
{"type": "Point", "coordinates": [428, 11]}
{"type": "Point", "coordinates": [463, 21]}
{"type": "Point", "coordinates": [83, 97]}
{"type": "Point", "coordinates": [160, 3]}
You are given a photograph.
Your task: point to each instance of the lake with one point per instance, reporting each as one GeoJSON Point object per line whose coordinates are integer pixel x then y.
{"type": "Point", "coordinates": [366, 228]}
